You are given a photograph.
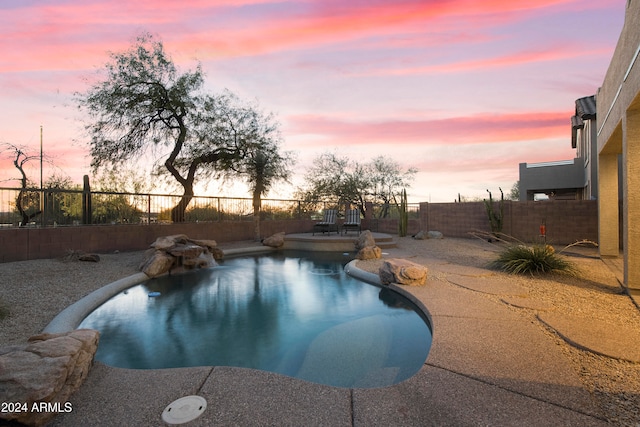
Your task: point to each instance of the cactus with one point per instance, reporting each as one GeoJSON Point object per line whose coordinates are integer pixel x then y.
{"type": "Point", "coordinates": [495, 218]}
{"type": "Point", "coordinates": [404, 215]}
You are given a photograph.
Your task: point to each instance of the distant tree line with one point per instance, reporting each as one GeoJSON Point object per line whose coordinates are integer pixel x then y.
{"type": "Point", "coordinates": [340, 180]}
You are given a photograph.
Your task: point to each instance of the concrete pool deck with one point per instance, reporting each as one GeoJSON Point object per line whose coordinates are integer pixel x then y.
{"type": "Point", "coordinates": [487, 366]}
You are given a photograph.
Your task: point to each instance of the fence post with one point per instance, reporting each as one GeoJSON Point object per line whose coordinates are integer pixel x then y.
{"type": "Point", "coordinates": [86, 201]}
{"type": "Point", "coordinates": [45, 199]}
{"type": "Point", "coordinates": [149, 209]}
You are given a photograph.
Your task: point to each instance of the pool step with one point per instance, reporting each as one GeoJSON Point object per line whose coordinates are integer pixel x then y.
{"type": "Point", "coordinates": [333, 242]}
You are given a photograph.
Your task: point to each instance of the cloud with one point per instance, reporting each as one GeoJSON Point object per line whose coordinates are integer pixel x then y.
{"type": "Point", "coordinates": [479, 128]}
{"type": "Point", "coordinates": [227, 28]}
{"type": "Point", "coordinates": [553, 53]}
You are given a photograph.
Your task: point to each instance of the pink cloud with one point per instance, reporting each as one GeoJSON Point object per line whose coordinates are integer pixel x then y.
{"type": "Point", "coordinates": [502, 61]}
{"type": "Point", "coordinates": [481, 128]}
{"type": "Point", "coordinates": [75, 34]}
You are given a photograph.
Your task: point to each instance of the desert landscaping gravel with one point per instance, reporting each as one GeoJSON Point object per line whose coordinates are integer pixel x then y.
{"type": "Point", "coordinates": [34, 292]}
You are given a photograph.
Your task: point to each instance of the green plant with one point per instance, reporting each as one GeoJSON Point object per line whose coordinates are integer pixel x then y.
{"type": "Point", "coordinates": [495, 218]}
{"type": "Point", "coordinates": [404, 215]}
{"type": "Point", "coordinates": [533, 259]}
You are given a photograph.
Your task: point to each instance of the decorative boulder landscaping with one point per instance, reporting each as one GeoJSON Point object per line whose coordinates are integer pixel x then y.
{"type": "Point", "coordinates": [366, 247]}
{"type": "Point", "coordinates": [274, 241]}
{"type": "Point", "coordinates": [422, 235]}
{"type": "Point", "coordinates": [41, 375]}
{"type": "Point", "coordinates": [402, 272]}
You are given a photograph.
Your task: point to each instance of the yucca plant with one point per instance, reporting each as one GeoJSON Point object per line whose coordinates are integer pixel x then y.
{"type": "Point", "coordinates": [533, 259]}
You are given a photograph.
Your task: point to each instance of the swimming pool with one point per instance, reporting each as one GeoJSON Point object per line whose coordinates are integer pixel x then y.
{"type": "Point", "coordinates": [294, 314]}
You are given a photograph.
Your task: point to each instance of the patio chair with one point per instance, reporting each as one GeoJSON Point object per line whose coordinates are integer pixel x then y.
{"type": "Point", "coordinates": [352, 221]}
{"type": "Point", "coordinates": [328, 222]}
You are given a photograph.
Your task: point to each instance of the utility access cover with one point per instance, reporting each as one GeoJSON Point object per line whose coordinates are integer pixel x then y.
{"type": "Point", "coordinates": [184, 410]}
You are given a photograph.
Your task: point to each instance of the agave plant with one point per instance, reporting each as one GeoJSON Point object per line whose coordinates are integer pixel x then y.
{"type": "Point", "coordinates": [533, 259]}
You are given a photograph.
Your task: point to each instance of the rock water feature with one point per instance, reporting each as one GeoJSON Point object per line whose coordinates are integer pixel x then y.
{"type": "Point", "coordinates": [170, 252]}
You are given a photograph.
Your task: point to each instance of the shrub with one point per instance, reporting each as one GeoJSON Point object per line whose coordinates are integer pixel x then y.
{"type": "Point", "coordinates": [534, 259]}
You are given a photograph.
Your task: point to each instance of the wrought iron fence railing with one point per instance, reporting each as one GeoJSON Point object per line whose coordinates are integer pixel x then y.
{"type": "Point", "coordinates": [59, 207]}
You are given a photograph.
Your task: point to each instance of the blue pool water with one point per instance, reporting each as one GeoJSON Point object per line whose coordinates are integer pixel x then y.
{"type": "Point", "coordinates": [294, 314]}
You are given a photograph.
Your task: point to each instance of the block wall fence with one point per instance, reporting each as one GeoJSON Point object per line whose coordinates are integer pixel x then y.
{"type": "Point", "coordinates": [566, 222]}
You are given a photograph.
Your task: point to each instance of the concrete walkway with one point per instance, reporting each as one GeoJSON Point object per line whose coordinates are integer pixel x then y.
{"type": "Point", "coordinates": [488, 365]}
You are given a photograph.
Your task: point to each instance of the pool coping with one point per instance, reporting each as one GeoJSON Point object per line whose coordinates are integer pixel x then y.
{"type": "Point", "coordinates": [352, 270]}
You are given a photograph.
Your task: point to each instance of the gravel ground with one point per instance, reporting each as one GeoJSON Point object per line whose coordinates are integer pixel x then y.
{"type": "Point", "coordinates": [595, 293]}
{"type": "Point", "coordinates": [34, 292]}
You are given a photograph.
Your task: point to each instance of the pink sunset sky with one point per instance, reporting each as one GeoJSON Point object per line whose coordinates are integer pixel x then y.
{"type": "Point", "coordinates": [461, 90]}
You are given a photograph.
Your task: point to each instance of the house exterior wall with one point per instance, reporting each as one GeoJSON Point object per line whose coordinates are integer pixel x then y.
{"type": "Point", "coordinates": [587, 151]}
{"type": "Point", "coordinates": [550, 177]}
{"type": "Point", "coordinates": [618, 103]}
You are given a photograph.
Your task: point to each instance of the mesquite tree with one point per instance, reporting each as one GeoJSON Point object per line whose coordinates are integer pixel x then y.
{"type": "Point", "coordinates": [144, 108]}
{"type": "Point", "coordinates": [338, 180]}
{"type": "Point", "coordinates": [27, 202]}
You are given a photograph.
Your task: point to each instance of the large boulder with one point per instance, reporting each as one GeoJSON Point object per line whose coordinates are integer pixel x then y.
{"type": "Point", "coordinates": [209, 244]}
{"type": "Point", "coordinates": [157, 263]}
{"type": "Point", "coordinates": [420, 235]}
{"type": "Point", "coordinates": [204, 260]}
{"type": "Point", "coordinates": [364, 240]}
{"type": "Point", "coordinates": [369, 252]}
{"type": "Point", "coordinates": [42, 374]}
{"type": "Point", "coordinates": [217, 253]}
{"type": "Point", "coordinates": [423, 235]}
{"type": "Point", "coordinates": [435, 235]}
{"type": "Point", "coordinates": [275, 241]}
{"type": "Point", "coordinates": [167, 242]}
{"type": "Point", "coordinates": [402, 272]}
{"type": "Point", "coordinates": [186, 251]}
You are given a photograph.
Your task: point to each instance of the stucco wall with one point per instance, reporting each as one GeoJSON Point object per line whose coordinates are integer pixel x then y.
{"type": "Point", "coordinates": [617, 93]}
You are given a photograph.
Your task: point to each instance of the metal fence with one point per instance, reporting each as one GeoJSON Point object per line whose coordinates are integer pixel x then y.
{"type": "Point", "coordinates": [59, 207]}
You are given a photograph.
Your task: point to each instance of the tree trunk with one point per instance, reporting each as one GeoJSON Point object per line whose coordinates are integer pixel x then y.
{"type": "Point", "coordinates": [256, 216]}
{"type": "Point", "coordinates": [26, 218]}
{"type": "Point", "coordinates": [178, 211]}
